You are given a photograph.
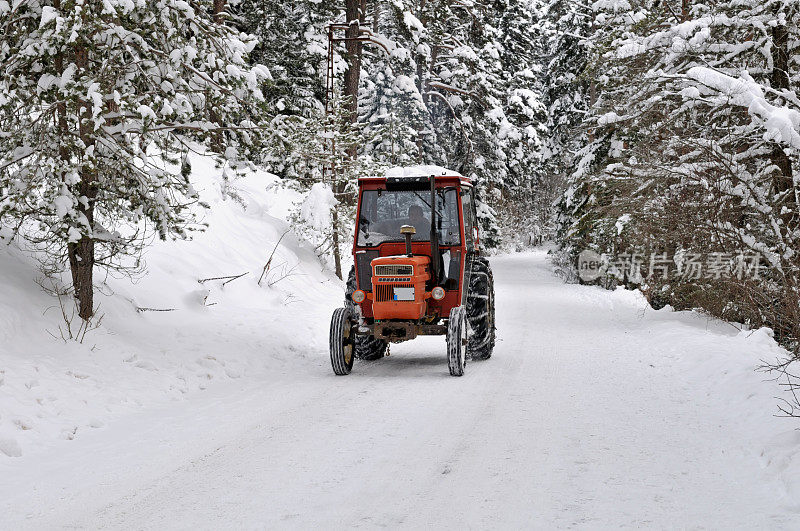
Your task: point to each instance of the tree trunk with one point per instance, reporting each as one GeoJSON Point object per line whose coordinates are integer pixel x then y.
{"type": "Point", "coordinates": [783, 181]}
{"type": "Point", "coordinates": [81, 263]}
{"type": "Point", "coordinates": [355, 10]}
{"type": "Point", "coordinates": [216, 136]}
{"type": "Point", "coordinates": [337, 256]}
{"type": "Point", "coordinates": [354, 15]}
{"type": "Point", "coordinates": [61, 106]}
{"type": "Point", "coordinates": [219, 9]}
{"type": "Point", "coordinates": [81, 253]}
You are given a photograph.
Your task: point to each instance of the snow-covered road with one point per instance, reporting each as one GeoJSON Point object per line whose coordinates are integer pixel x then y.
{"type": "Point", "coordinates": [594, 412]}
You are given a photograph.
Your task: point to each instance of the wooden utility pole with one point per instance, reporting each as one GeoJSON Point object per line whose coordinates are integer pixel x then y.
{"type": "Point", "coordinates": [354, 16]}
{"type": "Point", "coordinates": [685, 10]}
{"type": "Point", "coordinates": [355, 35]}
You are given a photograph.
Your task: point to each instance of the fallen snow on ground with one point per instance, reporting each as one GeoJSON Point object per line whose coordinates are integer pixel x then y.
{"type": "Point", "coordinates": [594, 412]}
{"type": "Point", "coordinates": [167, 336]}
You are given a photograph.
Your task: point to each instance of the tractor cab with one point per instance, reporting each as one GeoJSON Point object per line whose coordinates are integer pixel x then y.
{"type": "Point", "coordinates": [440, 213]}
{"type": "Point", "coordinates": [415, 250]}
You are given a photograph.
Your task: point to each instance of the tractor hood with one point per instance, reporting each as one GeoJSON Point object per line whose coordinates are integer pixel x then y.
{"type": "Point", "coordinates": [399, 286]}
{"type": "Point", "coordinates": [401, 262]}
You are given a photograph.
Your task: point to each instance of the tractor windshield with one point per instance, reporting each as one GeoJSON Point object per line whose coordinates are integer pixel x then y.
{"type": "Point", "coordinates": [383, 212]}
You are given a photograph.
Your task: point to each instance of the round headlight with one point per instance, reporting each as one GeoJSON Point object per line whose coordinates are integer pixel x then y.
{"type": "Point", "coordinates": [437, 293]}
{"type": "Point", "coordinates": [359, 296]}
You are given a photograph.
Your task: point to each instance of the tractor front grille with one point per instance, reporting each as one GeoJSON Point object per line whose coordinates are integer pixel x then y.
{"type": "Point", "coordinates": [385, 292]}
{"type": "Point", "coordinates": [394, 270]}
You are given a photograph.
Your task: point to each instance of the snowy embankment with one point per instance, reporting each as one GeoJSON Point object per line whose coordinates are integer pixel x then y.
{"type": "Point", "coordinates": [595, 410]}
{"type": "Point", "coordinates": [167, 336]}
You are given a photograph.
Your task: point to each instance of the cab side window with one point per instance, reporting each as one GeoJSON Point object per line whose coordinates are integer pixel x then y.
{"type": "Point", "coordinates": [474, 209]}
{"type": "Point", "coordinates": [469, 217]}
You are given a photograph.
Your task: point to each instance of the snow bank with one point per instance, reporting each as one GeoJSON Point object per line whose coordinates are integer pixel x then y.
{"type": "Point", "coordinates": [172, 333]}
{"type": "Point", "coordinates": [727, 371]}
{"type": "Point", "coordinates": [316, 208]}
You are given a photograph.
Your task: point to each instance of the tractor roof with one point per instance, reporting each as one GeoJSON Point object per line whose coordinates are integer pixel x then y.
{"type": "Point", "coordinates": [415, 172]}
{"type": "Point", "coordinates": [420, 171]}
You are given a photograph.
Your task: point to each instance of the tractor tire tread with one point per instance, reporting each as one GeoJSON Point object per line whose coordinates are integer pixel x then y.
{"type": "Point", "coordinates": [339, 319]}
{"type": "Point", "coordinates": [367, 348]}
{"type": "Point", "coordinates": [480, 308]}
{"type": "Point", "coordinates": [457, 351]}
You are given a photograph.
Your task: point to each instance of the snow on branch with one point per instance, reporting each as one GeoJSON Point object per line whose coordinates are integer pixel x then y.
{"type": "Point", "coordinates": [782, 123]}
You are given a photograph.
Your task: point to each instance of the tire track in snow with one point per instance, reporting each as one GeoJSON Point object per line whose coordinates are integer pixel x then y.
{"type": "Point", "coordinates": [586, 416]}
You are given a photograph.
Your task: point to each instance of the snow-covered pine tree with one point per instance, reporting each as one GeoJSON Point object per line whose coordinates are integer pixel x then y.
{"type": "Point", "coordinates": [566, 29]}
{"type": "Point", "coordinates": [484, 116]}
{"type": "Point", "coordinates": [702, 149]}
{"type": "Point", "coordinates": [391, 106]}
{"type": "Point", "coordinates": [465, 94]}
{"type": "Point", "coordinates": [577, 149]}
{"type": "Point", "coordinates": [97, 102]}
{"type": "Point", "coordinates": [331, 196]}
{"type": "Point", "coordinates": [529, 189]}
{"type": "Point", "coordinates": [292, 39]}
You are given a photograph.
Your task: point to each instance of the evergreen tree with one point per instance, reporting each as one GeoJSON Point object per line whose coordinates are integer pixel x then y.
{"type": "Point", "coordinates": [97, 102]}
{"type": "Point", "coordinates": [292, 38]}
{"type": "Point", "coordinates": [456, 86]}
{"type": "Point", "coordinates": [699, 154]}
{"type": "Point", "coordinates": [391, 106]}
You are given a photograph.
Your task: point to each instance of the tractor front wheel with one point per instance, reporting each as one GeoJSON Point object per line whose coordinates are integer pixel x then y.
{"type": "Point", "coordinates": [341, 342]}
{"type": "Point", "coordinates": [365, 348]}
{"type": "Point", "coordinates": [457, 341]}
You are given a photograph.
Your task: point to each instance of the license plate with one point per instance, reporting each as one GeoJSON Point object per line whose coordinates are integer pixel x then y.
{"type": "Point", "coordinates": [404, 294]}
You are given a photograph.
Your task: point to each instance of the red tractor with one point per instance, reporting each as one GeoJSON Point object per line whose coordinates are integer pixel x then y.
{"type": "Point", "coordinates": [418, 270]}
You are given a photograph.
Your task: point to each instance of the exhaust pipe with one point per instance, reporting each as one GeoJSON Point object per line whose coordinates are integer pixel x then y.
{"type": "Point", "coordinates": [408, 231]}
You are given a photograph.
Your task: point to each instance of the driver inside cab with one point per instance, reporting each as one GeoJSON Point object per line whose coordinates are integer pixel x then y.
{"type": "Point", "coordinates": [417, 218]}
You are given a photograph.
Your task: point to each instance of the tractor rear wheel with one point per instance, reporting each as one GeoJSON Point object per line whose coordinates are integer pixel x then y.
{"type": "Point", "coordinates": [367, 348]}
{"type": "Point", "coordinates": [480, 309]}
{"type": "Point", "coordinates": [457, 341]}
{"type": "Point", "coordinates": [341, 343]}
